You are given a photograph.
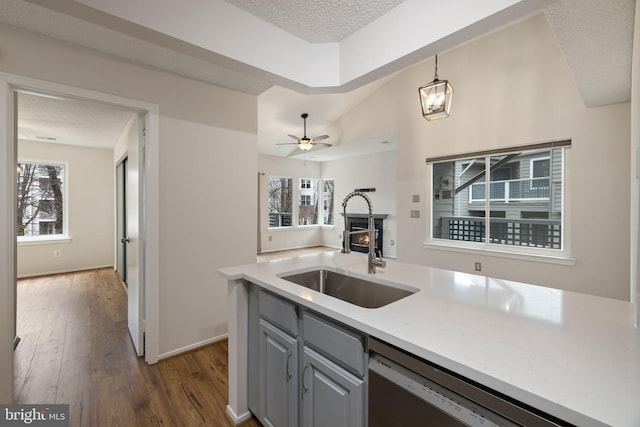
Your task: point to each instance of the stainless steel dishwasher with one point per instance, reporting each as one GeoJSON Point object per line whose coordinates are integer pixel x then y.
{"type": "Point", "coordinates": [407, 391]}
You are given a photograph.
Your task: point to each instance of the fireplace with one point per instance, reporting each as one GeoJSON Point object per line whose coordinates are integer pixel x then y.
{"type": "Point", "coordinates": [360, 242]}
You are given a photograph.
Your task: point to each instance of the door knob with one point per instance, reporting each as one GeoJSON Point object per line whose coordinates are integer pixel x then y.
{"type": "Point", "coordinates": [124, 240]}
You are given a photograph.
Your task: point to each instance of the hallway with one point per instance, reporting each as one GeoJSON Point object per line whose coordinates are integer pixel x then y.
{"type": "Point", "coordinates": [76, 350]}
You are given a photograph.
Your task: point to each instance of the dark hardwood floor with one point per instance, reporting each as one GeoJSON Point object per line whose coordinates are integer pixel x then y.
{"type": "Point", "coordinates": [76, 349]}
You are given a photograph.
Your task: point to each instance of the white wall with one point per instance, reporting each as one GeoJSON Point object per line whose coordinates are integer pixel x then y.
{"type": "Point", "coordinates": [285, 237]}
{"type": "Point", "coordinates": [90, 211]}
{"type": "Point", "coordinates": [512, 87]}
{"type": "Point", "coordinates": [208, 163]}
{"type": "Point", "coordinates": [377, 171]}
{"type": "Point", "coordinates": [635, 167]}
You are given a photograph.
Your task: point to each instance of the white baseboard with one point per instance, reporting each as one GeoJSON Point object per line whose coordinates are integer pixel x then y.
{"type": "Point", "coordinates": [238, 418]}
{"type": "Point", "coordinates": [73, 270]}
{"type": "Point", "coordinates": [192, 347]}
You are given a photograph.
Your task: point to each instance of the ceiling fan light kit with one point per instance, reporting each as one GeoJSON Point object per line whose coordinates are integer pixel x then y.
{"type": "Point", "coordinates": [305, 143]}
{"type": "Point", "coordinates": [436, 97]}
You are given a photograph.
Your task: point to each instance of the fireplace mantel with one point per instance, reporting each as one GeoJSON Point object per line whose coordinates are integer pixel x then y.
{"type": "Point", "coordinates": [364, 215]}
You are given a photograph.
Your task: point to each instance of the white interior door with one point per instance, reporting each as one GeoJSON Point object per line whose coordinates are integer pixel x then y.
{"type": "Point", "coordinates": [135, 242]}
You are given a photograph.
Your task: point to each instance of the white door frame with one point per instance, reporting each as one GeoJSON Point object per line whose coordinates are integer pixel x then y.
{"type": "Point", "coordinates": [8, 84]}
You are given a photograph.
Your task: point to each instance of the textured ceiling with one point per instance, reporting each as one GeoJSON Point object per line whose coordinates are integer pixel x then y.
{"type": "Point", "coordinates": [71, 122]}
{"type": "Point", "coordinates": [596, 38]}
{"type": "Point", "coordinates": [318, 21]}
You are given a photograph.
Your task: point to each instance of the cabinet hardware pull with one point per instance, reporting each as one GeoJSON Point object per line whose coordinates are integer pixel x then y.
{"type": "Point", "coordinates": [304, 387]}
{"type": "Point", "coordinates": [288, 374]}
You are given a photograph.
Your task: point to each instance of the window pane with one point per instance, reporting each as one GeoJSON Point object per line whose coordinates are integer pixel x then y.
{"type": "Point", "coordinates": [458, 200]}
{"type": "Point", "coordinates": [280, 201]}
{"type": "Point", "coordinates": [40, 203]}
{"type": "Point", "coordinates": [308, 202]}
{"type": "Point", "coordinates": [530, 203]}
{"type": "Point", "coordinates": [525, 199]}
{"type": "Point", "coordinates": [328, 202]}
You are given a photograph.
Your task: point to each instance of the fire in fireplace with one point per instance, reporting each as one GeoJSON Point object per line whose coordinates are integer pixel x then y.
{"type": "Point", "coordinates": [360, 242]}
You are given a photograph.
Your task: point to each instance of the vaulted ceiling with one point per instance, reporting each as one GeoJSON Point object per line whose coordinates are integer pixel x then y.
{"type": "Point", "coordinates": [324, 56]}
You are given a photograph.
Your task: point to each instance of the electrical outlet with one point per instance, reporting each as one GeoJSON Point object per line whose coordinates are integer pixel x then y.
{"type": "Point", "coordinates": [416, 198]}
{"type": "Point", "coordinates": [478, 266]}
{"type": "Point", "coordinates": [393, 242]}
{"type": "Point", "coordinates": [415, 214]}
{"type": "Point", "coordinates": [270, 238]}
{"type": "Point", "coordinates": [57, 253]}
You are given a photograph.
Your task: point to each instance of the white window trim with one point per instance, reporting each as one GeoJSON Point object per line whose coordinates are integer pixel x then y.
{"type": "Point", "coordinates": [65, 237]}
{"type": "Point", "coordinates": [551, 256]}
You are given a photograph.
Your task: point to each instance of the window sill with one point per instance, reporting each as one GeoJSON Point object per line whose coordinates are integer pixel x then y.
{"type": "Point", "coordinates": [43, 240]}
{"type": "Point", "coordinates": [543, 256]}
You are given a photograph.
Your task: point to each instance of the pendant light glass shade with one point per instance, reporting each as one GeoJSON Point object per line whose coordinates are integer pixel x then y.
{"type": "Point", "coordinates": [436, 98]}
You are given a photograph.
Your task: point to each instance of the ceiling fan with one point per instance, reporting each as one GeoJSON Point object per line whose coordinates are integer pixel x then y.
{"type": "Point", "coordinates": [305, 143]}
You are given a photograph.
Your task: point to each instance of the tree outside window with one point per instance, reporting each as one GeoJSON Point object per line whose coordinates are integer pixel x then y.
{"type": "Point", "coordinates": [328, 201]}
{"type": "Point", "coordinates": [280, 201]}
{"type": "Point", "coordinates": [40, 203]}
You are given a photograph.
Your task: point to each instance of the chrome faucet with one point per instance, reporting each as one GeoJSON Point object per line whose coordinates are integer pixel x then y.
{"type": "Point", "coordinates": [373, 260]}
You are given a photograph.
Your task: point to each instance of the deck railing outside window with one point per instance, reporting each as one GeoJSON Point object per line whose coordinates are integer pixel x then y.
{"type": "Point", "coordinates": [279, 219]}
{"type": "Point", "coordinates": [512, 190]}
{"type": "Point", "coordinates": [539, 233]}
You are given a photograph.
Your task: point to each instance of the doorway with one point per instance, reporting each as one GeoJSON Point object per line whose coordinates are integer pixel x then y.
{"type": "Point", "coordinates": [83, 136]}
{"type": "Point", "coordinates": [9, 85]}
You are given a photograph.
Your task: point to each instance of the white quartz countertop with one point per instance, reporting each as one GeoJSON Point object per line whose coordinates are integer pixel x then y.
{"type": "Point", "coordinates": [574, 356]}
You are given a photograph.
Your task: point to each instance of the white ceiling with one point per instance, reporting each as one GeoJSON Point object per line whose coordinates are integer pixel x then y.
{"type": "Point", "coordinates": [318, 21]}
{"type": "Point", "coordinates": [281, 50]}
{"type": "Point", "coordinates": [67, 121]}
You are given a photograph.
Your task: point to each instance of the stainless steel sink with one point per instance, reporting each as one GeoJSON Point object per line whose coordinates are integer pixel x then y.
{"type": "Point", "coordinates": [363, 293]}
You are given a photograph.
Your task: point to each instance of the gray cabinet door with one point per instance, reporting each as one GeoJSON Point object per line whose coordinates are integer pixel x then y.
{"type": "Point", "coordinates": [278, 377]}
{"type": "Point", "coordinates": [331, 396]}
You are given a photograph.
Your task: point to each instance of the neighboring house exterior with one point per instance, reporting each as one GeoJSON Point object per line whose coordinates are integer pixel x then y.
{"type": "Point", "coordinates": [308, 207]}
{"type": "Point", "coordinates": [525, 199]}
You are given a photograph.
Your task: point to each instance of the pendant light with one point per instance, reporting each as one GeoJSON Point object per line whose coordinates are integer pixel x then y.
{"type": "Point", "coordinates": [436, 97]}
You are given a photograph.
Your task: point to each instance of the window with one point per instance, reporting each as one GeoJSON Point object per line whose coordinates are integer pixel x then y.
{"type": "Point", "coordinates": [41, 206]}
{"type": "Point", "coordinates": [523, 198]}
{"type": "Point", "coordinates": [327, 204]}
{"type": "Point", "coordinates": [308, 202]}
{"type": "Point", "coordinates": [280, 201]}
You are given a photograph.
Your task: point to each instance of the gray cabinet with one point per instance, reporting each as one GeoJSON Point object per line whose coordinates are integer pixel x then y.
{"type": "Point", "coordinates": [331, 396]}
{"type": "Point", "coordinates": [278, 359]}
{"type": "Point", "coordinates": [304, 369]}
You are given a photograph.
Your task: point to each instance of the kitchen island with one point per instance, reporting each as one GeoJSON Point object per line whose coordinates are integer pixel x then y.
{"type": "Point", "coordinates": [570, 355]}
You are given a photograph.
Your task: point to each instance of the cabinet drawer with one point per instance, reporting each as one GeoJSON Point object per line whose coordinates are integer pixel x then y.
{"type": "Point", "coordinates": [339, 344]}
{"type": "Point", "coordinates": [279, 312]}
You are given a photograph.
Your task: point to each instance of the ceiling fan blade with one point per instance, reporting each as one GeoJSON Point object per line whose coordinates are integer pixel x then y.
{"type": "Point", "coordinates": [324, 144]}
{"type": "Point", "coordinates": [321, 137]}
{"type": "Point", "coordinates": [287, 143]}
{"type": "Point", "coordinates": [293, 136]}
